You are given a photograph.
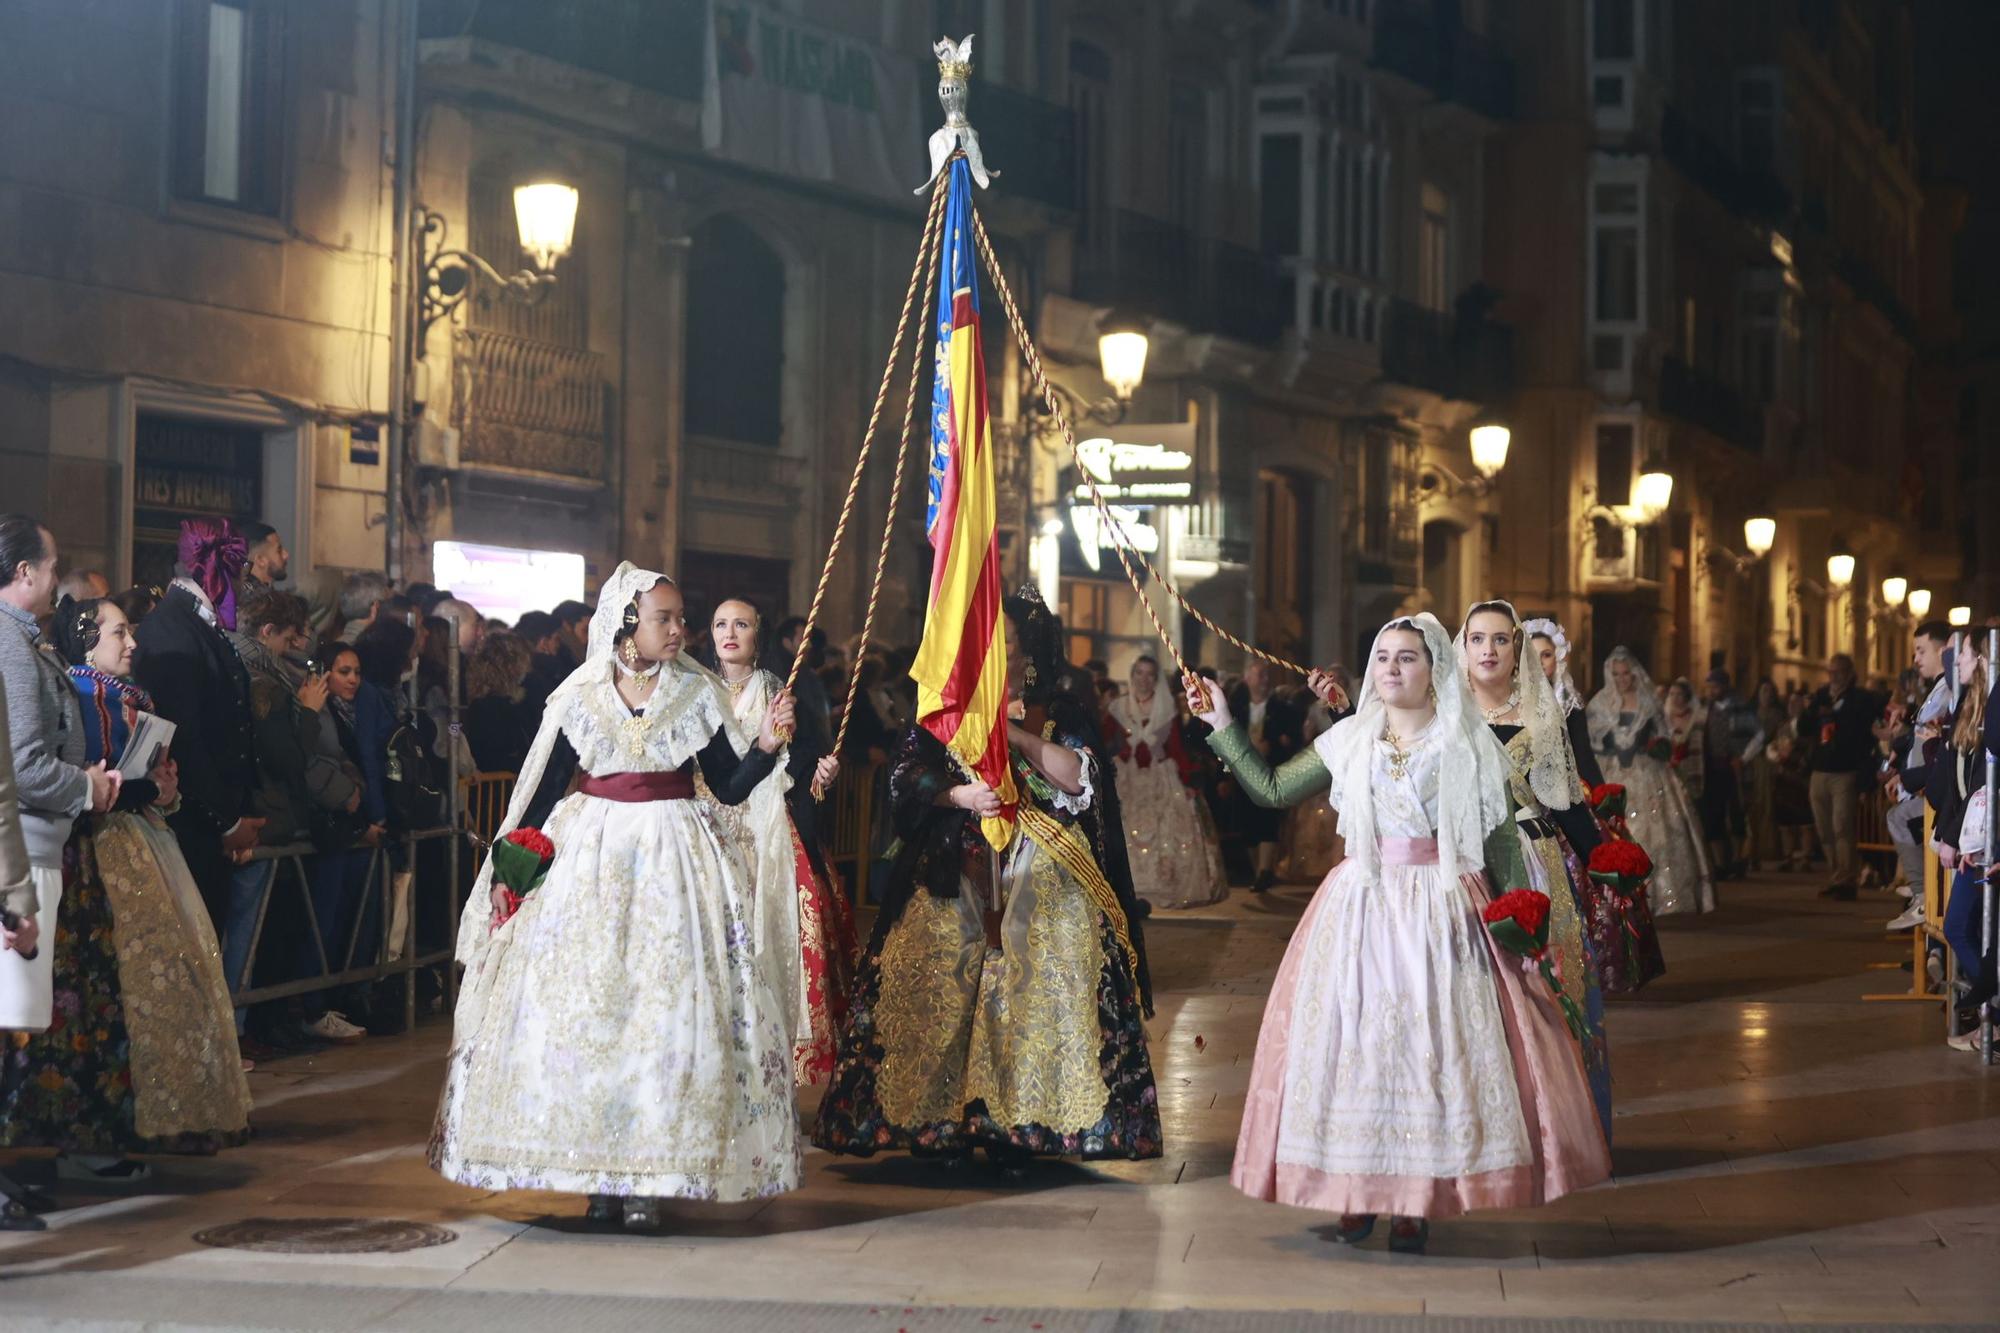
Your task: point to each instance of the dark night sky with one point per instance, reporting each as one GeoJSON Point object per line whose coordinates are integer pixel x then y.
{"type": "Point", "coordinates": [1958, 111]}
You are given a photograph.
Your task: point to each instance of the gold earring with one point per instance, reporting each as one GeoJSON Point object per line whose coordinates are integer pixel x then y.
{"type": "Point", "coordinates": [631, 653]}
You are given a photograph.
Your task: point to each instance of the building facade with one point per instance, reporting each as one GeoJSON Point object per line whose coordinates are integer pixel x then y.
{"type": "Point", "coordinates": [1712, 229]}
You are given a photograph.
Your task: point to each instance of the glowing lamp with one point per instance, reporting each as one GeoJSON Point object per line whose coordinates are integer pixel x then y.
{"type": "Point", "coordinates": [1894, 591]}
{"type": "Point", "coordinates": [1654, 492]}
{"type": "Point", "coordinates": [1759, 535]}
{"type": "Point", "coordinates": [1959, 615]}
{"type": "Point", "coordinates": [1489, 448]}
{"type": "Point", "coordinates": [545, 212]}
{"type": "Point", "coordinates": [1920, 602]}
{"type": "Point", "coordinates": [1121, 353]}
{"type": "Point", "coordinates": [1840, 570]}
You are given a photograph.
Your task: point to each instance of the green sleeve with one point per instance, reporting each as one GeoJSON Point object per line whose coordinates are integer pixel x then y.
{"type": "Point", "coordinates": [1291, 782]}
{"type": "Point", "coordinates": [1506, 867]}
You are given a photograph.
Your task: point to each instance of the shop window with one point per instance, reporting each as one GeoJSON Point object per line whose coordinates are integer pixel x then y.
{"type": "Point", "coordinates": [186, 469]}
{"type": "Point", "coordinates": [229, 121]}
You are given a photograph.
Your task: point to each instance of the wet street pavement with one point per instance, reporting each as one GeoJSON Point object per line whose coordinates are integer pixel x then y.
{"type": "Point", "coordinates": [1784, 1151]}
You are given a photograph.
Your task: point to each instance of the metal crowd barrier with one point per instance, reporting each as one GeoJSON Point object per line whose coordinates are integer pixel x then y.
{"type": "Point", "coordinates": [379, 885]}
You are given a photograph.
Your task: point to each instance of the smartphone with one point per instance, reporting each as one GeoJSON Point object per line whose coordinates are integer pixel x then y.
{"type": "Point", "coordinates": [315, 667]}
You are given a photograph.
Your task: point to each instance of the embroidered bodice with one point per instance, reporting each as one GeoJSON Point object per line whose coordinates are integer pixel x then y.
{"type": "Point", "coordinates": [1406, 803]}
{"type": "Point", "coordinates": [676, 724]}
{"type": "Point", "coordinates": [1149, 725]}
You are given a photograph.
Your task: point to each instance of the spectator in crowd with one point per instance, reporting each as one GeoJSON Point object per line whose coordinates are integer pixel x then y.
{"type": "Point", "coordinates": [1732, 738]}
{"type": "Point", "coordinates": [573, 624]}
{"type": "Point", "coordinates": [1760, 777]}
{"type": "Point", "coordinates": [546, 670]}
{"type": "Point", "coordinates": [267, 562]}
{"type": "Point", "coordinates": [321, 589]}
{"type": "Point", "coordinates": [83, 585]}
{"type": "Point", "coordinates": [498, 726]}
{"type": "Point", "coordinates": [1954, 789]}
{"type": "Point", "coordinates": [471, 627]}
{"type": "Point", "coordinates": [54, 783]}
{"type": "Point", "coordinates": [137, 603]}
{"type": "Point", "coordinates": [308, 791]}
{"type": "Point", "coordinates": [197, 682]}
{"type": "Point", "coordinates": [1842, 717]}
{"type": "Point", "coordinates": [361, 598]}
{"type": "Point", "coordinates": [1277, 730]}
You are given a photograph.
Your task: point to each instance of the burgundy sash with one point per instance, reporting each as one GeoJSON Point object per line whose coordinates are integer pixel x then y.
{"type": "Point", "coordinates": [638, 787]}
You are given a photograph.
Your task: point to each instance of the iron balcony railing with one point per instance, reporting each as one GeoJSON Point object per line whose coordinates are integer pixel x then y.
{"type": "Point", "coordinates": [522, 403]}
{"type": "Point", "coordinates": [1694, 395]}
{"type": "Point", "coordinates": [652, 44]}
{"type": "Point", "coordinates": [1470, 359]}
{"type": "Point", "coordinates": [1443, 55]}
{"type": "Point", "coordinates": [1165, 269]}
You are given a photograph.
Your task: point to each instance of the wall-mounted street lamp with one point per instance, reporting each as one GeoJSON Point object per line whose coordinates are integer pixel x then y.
{"type": "Point", "coordinates": [1895, 589]}
{"type": "Point", "coordinates": [1839, 571]}
{"type": "Point", "coordinates": [1122, 345]}
{"type": "Point", "coordinates": [1759, 535]}
{"type": "Point", "coordinates": [544, 216]}
{"type": "Point", "coordinates": [1920, 602]}
{"type": "Point", "coordinates": [1487, 442]}
{"type": "Point", "coordinates": [1653, 494]}
{"type": "Point", "coordinates": [1959, 616]}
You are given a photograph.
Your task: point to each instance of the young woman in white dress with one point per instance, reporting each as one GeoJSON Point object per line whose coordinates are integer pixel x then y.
{"type": "Point", "coordinates": [1176, 861]}
{"type": "Point", "coordinates": [619, 1035]}
{"type": "Point", "coordinates": [1625, 717]}
{"type": "Point", "coordinates": [1406, 1065]}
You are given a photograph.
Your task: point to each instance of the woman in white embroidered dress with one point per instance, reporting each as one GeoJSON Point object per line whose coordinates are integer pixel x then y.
{"type": "Point", "coordinates": [801, 921]}
{"type": "Point", "coordinates": [1405, 1065]}
{"type": "Point", "coordinates": [1176, 861]}
{"type": "Point", "coordinates": [618, 1036]}
{"type": "Point", "coordinates": [1625, 719]}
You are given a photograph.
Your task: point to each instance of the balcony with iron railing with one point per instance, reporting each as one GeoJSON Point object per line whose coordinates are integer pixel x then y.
{"type": "Point", "coordinates": [522, 404]}
{"type": "Point", "coordinates": [1444, 56]}
{"type": "Point", "coordinates": [656, 45]}
{"type": "Point", "coordinates": [1467, 358]}
{"type": "Point", "coordinates": [1695, 396]}
{"type": "Point", "coordinates": [1164, 269]}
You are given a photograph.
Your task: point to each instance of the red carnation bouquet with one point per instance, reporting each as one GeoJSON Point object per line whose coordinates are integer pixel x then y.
{"type": "Point", "coordinates": [1608, 800]}
{"type": "Point", "coordinates": [1660, 748]}
{"type": "Point", "coordinates": [520, 864]}
{"type": "Point", "coordinates": [1519, 923]}
{"type": "Point", "coordinates": [1623, 866]}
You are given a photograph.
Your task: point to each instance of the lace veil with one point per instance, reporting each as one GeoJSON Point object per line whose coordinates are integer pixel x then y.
{"type": "Point", "coordinates": [1567, 694]}
{"type": "Point", "coordinates": [1605, 704]}
{"type": "Point", "coordinates": [1551, 767]}
{"type": "Point", "coordinates": [626, 583]}
{"type": "Point", "coordinates": [1472, 771]}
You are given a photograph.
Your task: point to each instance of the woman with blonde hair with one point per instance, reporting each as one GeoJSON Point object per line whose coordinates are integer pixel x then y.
{"type": "Point", "coordinates": [1955, 789]}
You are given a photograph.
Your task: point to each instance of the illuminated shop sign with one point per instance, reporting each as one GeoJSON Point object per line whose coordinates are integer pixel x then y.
{"type": "Point", "coordinates": [1149, 465]}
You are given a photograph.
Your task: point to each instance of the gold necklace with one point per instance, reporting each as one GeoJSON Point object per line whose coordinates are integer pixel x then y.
{"type": "Point", "coordinates": [1399, 758]}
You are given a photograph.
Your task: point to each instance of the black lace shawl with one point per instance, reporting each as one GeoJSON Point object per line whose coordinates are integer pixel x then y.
{"type": "Point", "coordinates": [932, 840]}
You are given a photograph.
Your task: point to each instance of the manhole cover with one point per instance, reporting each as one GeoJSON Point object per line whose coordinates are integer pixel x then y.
{"type": "Point", "coordinates": [325, 1235]}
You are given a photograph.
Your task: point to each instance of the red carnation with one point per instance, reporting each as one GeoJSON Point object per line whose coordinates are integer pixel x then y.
{"type": "Point", "coordinates": [1621, 865]}
{"type": "Point", "coordinates": [534, 840]}
{"type": "Point", "coordinates": [1523, 908]}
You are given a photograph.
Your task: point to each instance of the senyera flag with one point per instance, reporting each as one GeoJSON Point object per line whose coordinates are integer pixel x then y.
{"type": "Point", "coordinates": [961, 666]}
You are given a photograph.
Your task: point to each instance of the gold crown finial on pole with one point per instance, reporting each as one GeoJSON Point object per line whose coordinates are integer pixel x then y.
{"type": "Point", "coordinates": [954, 60]}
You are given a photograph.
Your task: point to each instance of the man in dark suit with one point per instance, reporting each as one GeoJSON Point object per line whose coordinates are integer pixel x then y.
{"type": "Point", "coordinates": [199, 684]}
{"type": "Point", "coordinates": [1277, 729]}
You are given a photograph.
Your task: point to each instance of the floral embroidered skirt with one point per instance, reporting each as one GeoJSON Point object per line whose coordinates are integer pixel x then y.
{"type": "Point", "coordinates": [826, 959]}
{"type": "Point", "coordinates": [618, 1035]}
{"type": "Point", "coordinates": [1038, 1046]}
{"type": "Point", "coordinates": [141, 1056]}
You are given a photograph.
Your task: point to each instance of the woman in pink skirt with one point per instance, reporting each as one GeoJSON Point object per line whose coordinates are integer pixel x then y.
{"type": "Point", "coordinates": [1406, 1064]}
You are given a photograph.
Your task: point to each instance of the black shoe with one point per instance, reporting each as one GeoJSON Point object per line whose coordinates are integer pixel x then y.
{"type": "Point", "coordinates": [1839, 892]}
{"type": "Point", "coordinates": [15, 1216]}
{"type": "Point", "coordinates": [1263, 882]}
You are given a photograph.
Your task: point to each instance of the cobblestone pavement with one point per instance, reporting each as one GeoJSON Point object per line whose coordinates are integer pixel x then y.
{"type": "Point", "coordinates": [1785, 1153]}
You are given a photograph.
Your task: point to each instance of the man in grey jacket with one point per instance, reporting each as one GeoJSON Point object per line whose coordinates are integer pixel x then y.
{"type": "Point", "coordinates": [51, 785]}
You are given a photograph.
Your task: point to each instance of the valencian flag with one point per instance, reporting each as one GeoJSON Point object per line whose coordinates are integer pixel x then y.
{"type": "Point", "coordinates": [961, 666]}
